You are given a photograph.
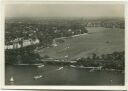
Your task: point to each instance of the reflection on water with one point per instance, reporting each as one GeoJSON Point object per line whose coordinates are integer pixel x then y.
{"type": "Point", "coordinates": [56, 75]}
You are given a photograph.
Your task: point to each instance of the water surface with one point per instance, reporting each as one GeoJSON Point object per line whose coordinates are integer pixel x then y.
{"type": "Point", "coordinates": [51, 75]}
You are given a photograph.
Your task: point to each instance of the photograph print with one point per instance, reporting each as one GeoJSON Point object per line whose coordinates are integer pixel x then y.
{"type": "Point", "coordinates": [64, 44]}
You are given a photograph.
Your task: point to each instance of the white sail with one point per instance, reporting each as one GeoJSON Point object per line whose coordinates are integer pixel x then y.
{"type": "Point", "coordinates": [11, 79]}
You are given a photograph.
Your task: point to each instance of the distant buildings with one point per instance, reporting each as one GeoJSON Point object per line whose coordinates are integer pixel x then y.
{"type": "Point", "coordinates": [106, 24]}
{"type": "Point", "coordinates": [16, 43]}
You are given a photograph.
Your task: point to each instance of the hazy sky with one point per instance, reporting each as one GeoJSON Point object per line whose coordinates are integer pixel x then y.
{"type": "Point", "coordinates": [64, 10]}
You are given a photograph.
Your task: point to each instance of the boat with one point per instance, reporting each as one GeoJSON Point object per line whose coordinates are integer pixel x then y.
{"type": "Point", "coordinates": [72, 66]}
{"type": "Point", "coordinates": [39, 66]}
{"type": "Point", "coordinates": [91, 70]}
{"type": "Point", "coordinates": [11, 79]}
{"type": "Point", "coordinates": [37, 77]}
{"type": "Point", "coordinates": [60, 68]}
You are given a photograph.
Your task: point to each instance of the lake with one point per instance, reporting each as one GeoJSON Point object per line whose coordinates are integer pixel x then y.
{"type": "Point", "coordinates": [57, 75]}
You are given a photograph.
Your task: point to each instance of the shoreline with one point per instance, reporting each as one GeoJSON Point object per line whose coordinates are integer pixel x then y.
{"type": "Point", "coordinates": [71, 36]}
{"type": "Point", "coordinates": [72, 66]}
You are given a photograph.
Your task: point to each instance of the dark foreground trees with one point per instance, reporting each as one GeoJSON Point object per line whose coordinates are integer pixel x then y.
{"type": "Point", "coordinates": [115, 60]}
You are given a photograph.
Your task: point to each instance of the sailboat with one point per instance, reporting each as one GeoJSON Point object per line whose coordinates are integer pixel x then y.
{"type": "Point", "coordinates": [11, 79]}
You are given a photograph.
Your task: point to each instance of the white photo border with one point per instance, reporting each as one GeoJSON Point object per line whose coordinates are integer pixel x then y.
{"type": "Point", "coordinates": [2, 58]}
